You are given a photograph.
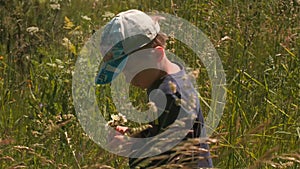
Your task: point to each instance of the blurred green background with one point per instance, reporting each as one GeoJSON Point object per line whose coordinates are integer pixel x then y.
{"type": "Point", "coordinates": [257, 41]}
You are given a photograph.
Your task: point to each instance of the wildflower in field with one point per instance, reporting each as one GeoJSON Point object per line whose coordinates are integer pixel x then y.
{"type": "Point", "coordinates": [55, 6]}
{"type": "Point", "coordinates": [69, 45]}
{"type": "Point", "coordinates": [115, 117]}
{"type": "Point", "coordinates": [68, 23]}
{"type": "Point", "coordinates": [86, 18]}
{"type": "Point", "coordinates": [225, 38]}
{"type": "Point", "coordinates": [51, 64]}
{"type": "Point", "coordinates": [33, 29]}
{"type": "Point", "coordinates": [122, 118]}
{"type": "Point", "coordinates": [95, 4]}
{"type": "Point", "coordinates": [76, 31]}
{"type": "Point", "coordinates": [108, 15]}
{"type": "Point", "coordinates": [67, 116]}
{"type": "Point", "coordinates": [152, 106]}
{"type": "Point", "coordinates": [195, 73]}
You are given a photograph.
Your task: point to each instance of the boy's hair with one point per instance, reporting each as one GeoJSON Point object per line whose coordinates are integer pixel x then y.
{"type": "Point", "coordinates": [159, 40]}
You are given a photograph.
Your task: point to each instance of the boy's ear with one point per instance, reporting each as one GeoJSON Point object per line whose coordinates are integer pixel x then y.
{"type": "Point", "coordinates": [160, 53]}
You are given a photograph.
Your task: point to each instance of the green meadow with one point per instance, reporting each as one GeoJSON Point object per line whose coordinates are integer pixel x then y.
{"type": "Point", "coordinates": [258, 43]}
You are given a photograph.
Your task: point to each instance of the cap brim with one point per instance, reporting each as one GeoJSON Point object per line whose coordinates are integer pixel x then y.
{"type": "Point", "coordinates": [110, 70]}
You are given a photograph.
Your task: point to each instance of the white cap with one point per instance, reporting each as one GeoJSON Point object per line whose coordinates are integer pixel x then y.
{"type": "Point", "coordinates": [125, 33]}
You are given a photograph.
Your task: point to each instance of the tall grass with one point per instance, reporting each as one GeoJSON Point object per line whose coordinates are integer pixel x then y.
{"type": "Point", "coordinates": [259, 129]}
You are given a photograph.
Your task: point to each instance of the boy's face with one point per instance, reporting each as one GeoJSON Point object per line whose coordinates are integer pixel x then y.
{"type": "Point", "coordinates": [143, 79]}
{"type": "Point", "coordinates": [142, 68]}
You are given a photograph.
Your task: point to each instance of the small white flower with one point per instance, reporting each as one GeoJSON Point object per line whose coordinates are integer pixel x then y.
{"type": "Point", "coordinates": [108, 15]}
{"type": "Point", "coordinates": [86, 18]}
{"type": "Point", "coordinates": [225, 38]}
{"type": "Point", "coordinates": [123, 119]}
{"type": "Point", "coordinates": [55, 6]}
{"type": "Point", "coordinates": [32, 30]}
{"type": "Point", "coordinates": [115, 117]}
{"type": "Point", "coordinates": [194, 73]}
{"type": "Point", "coordinates": [110, 123]}
{"type": "Point", "coordinates": [152, 107]}
{"type": "Point", "coordinates": [51, 64]}
{"type": "Point", "coordinates": [60, 66]}
{"type": "Point", "coordinates": [75, 33]}
{"type": "Point", "coordinates": [68, 44]}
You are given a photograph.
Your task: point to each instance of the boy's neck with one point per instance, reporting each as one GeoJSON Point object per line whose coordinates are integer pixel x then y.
{"type": "Point", "coordinates": [172, 68]}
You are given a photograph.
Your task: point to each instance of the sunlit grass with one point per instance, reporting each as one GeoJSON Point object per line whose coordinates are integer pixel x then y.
{"type": "Point", "coordinates": [260, 54]}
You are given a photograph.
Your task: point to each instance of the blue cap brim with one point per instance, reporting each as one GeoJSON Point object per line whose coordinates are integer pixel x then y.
{"type": "Point", "coordinates": [110, 70]}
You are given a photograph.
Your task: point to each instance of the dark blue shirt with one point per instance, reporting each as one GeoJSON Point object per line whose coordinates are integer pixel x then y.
{"type": "Point", "coordinates": [175, 87]}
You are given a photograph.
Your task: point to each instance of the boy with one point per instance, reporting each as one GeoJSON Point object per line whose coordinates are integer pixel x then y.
{"type": "Point", "coordinates": [131, 43]}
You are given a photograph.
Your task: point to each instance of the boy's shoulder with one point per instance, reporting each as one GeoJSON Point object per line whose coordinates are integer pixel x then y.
{"type": "Point", "coordinates": [171, 84]}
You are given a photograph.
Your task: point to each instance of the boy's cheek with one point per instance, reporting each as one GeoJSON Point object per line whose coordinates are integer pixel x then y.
{"type": "Point", "coordinates": [139, 79]}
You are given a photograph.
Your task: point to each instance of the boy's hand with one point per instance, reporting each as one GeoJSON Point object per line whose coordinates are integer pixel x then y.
{"type": "Point", "coordinates": [118, 140]}
{"type": "Point", "coordinates": [122, 129]}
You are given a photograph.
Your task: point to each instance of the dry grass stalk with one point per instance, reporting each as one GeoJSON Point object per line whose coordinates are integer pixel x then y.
{"type": "Point", "coordinates": [7, 158]}
{"type": "Point", "coordinates": [284, 160]}
{"type": "Point", "coordinates": [98, 166]}
{"type": "Point", "coordinates": [186, 154]}
{"type": "Point", "coordinates": [73, 151]}
{"type": "Point", "coordinates": [18, 166]}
